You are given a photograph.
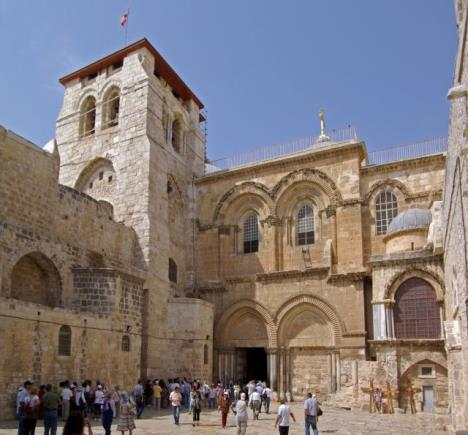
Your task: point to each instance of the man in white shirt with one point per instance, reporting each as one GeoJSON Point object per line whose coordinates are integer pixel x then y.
{"type": "Point", "coordinates": [240, 410]}
{"type": "Point", "coordinates": [175, 398]}
{"type": "Point", "coordinates": [284, 411]}
{"type": "Point", "coordinates": [310, 414]}
{"type": "Point", "coordinates": [255, 402]}
{"type": "Point", "coordinates": [266, 397]}
{"type": "Point", "coordinates": [66, 396]}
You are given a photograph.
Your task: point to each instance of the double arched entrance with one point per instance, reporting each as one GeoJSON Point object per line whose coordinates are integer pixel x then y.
{"type": "Point", "coordinates": [295, 350]}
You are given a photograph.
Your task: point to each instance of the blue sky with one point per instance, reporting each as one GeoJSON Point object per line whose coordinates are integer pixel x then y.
{"type": "Point", "coordinates": [263, 68]}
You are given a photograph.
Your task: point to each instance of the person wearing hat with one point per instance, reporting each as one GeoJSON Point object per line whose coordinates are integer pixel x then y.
{"type": "Point", "coordinates": [224, 405]}
{"type": "Point", "coordinates": [240, 410]}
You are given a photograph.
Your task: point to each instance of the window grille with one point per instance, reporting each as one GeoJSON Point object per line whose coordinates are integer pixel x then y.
{"type": "Point", "coordinates": [251, 234]}
{"type": "Point", "coordinates": [88, 117]}
{"type": "Point", "coordinates": [64, 341]}
{"type": "Point", "coordinates": [125, 343]}
{"type": "Point", "coordinates": [172, 270]}
{"type": "Point", "coordinates": [416, 311]}
{"type": "Point", "coordinates": [111, 109]}
{"type": "Point", "coordinates": [305, 225]}
{"type": "Point", "coordinates": [386, 209]}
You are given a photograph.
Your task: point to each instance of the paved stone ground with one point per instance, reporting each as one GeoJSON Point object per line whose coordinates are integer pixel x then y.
{"type": "Point", "coordinates": [333, 421]}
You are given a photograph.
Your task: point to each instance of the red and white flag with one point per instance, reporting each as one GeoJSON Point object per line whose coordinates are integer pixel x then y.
{"type": "Point", "coordinates": [124, 19]}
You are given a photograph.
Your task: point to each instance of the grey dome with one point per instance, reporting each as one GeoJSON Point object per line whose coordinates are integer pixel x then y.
{"type": "Point", "coordinates": [408, 219]}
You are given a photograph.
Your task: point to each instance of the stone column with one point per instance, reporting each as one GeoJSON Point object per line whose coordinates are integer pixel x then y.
{"type": "Point", "coordinates": [233, 366]}
{"type": "Point", "coordinates": [273, 369]}
{"type": "Point", "coordinates": [441, 315]}
{"type": "Point", "coordinates": [281, 387]}
{"type": "Point", "coordinates": [227, 362]}
{"type": "Point", "coordinates": [220, 365]}
{"type": "Point", "coordinates": [338, 372]}
{"type": "Point", "coordinates": [288, 372]}
{"type": "Point", "coordinates": [331, 215]}
{"type": "Point", "coordinates": [333, 372]}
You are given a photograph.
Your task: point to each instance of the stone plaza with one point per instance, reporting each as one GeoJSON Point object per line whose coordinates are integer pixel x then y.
{"type": "Point", "coordinates": [334, 421]}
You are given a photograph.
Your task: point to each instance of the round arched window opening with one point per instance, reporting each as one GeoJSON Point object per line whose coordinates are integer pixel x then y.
{"type": "Point", "coordinates": [416, 312]}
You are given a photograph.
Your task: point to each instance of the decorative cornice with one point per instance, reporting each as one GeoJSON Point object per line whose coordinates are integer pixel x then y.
{"type": "Point", "coordinates": [288, 274]}
{"type": "Point", "coordinates": [409, 163]}
{"type": "Point", "coordinates": [357, 276]}
{"type": "Point", "coordinates": [405, 258]}
{"type": "Point", "coordinates": [355, 334]}
{"type": "Point", "coordinates": [439, 342]}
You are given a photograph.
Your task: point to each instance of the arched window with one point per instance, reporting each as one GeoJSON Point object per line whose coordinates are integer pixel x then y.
{"type": "Point", "coordinates": [177, 135]}
{"type": "Point", "coordinates": [205, 354]}
{"type": "Point", "coordinates": [125, 343]}
{"type": "Point", "coordinates": [250, 233]}
{"type": "Point", "coordinates": [416, 311]}
{"type": "Point", "coordinates": [172, 270]}
{"type": "Point", "coordinates": [111, 108]}
{"type": "Point", "coordinates": [305, 225]}
{"type": "Point", "coordinates": [88, 116]}
{"type": "Point", "coordinates": [386, 208]}
{"type": "Point", "coordinates": [64, 341]}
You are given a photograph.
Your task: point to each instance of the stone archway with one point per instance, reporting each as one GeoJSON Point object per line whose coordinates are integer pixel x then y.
{"type": "Point", "coordinates": [242, 337]}
{"type": "Point", "coordinates": [428, 377]}
{"type": "Point", "coordinates": [34, 278]}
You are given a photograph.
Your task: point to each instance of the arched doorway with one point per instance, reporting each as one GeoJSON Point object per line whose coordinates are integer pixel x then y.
{"type": "Point", "coordinates": [242, 344]}
{"type": "Point", "coordinates": [306, 338]}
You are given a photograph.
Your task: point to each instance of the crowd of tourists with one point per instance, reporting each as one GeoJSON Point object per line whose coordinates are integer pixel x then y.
{"type": "Point", "coordinates": [78, 404]}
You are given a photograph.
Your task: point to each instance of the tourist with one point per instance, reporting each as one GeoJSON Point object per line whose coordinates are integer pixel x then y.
{"type": "Point", "coordinates": [310, 414]}
{"type": "Point", "coordinates": [75, 425]}
{"type": "Point", "coordinates": [284, 411]}
{"type": "Point", "coordinates": [237, 389]}
{"type": "Point", "coordinates": [212, 397]}
{"type": "Point", "coordinates": [175, 398]}
{"type": "Point", "coordinates": [196, 408]}
{"type": "Point", "coordinates": [240, 410]}
{"type": "Point", "coordinates": [266, 398]}
{"type": "Point", "coordinates": [255, 403]}
{"type": "Point", "coordinates": [21, 396]}
{"type": "Point", "coordinates": [250, 389]}
{"type": "Point", "coordinates": [78, 402]}
{"type": "Point", "coordinates": [224, 406]}
{"type": "Point", "coordinates": [139, 398]}
{"type": "Point", "coordinates": [50, 403]}
{"type": "Point", "coordinates": [108, 413]}
{"type": "Point", "coordinates": [116, 399]}
{"type": "Point", "coordinates": [186, 393]}
{"type": "Point", "coordinates": [98, 401]}
{"type": "Point", "coordinates": [127, 414]}
{"type": "Point", "coordinates": [31, 411]}
{"type": "Point", "coordinates": [66, 397]}
{"type": "Point", "coordinates": [378, 400]}
{"type": "Point", "coordinates": [157, 395]}
{"type": "Point", "coordinates": [193, 393]}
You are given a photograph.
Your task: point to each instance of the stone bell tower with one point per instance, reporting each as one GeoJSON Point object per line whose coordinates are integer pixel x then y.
{"type": "Point", "coordinates": [129, 136]}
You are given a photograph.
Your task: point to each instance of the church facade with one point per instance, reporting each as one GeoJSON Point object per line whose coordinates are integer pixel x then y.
{"type": "Point", "coordinates": [316, 269]}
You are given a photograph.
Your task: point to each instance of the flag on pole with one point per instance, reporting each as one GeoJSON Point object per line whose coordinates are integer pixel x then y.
{"type": "Point", "coordinates": [124, 19]}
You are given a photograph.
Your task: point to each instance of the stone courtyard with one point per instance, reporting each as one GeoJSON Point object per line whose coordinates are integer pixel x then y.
{"type": "Point", "coordinates": [333, 421]}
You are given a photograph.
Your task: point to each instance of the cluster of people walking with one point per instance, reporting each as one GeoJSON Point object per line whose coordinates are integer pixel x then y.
{"type": "Point", "coordinates": [78, 405]}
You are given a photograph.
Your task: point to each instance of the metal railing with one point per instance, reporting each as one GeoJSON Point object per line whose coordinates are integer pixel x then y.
{"type": "Point", "coordinates": [410, 151]}
{"type": "Point", "coordinates": [280, 150]}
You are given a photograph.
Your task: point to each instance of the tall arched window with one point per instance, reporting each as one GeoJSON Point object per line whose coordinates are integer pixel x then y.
{"type": "Point", "coordinates": [386, 208]}
{"type": "Point", "coordinates": [205, 354]}
{"type": "Point", "coordinates": [88, 116]}
{"type": "Point", "coordinates": [64, 341]}
{"type": "Point", "coordinates": [172, 270]}
{"type": "Point", "coordinates": [125, 343]}
{"type": "Point", "coordinates": [250, 233]}
{"type": "Point", "coordinates": [416, 311]}
{"type": "Point", "coordinates": [305, 225]}
{"type": "Point", "coordinates": [111, 108]}
{"type": "Point", "coordinates": [177, 135]}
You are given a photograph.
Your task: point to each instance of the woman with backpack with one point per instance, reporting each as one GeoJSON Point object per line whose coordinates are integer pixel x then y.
{"type": "Point", "coordinates": [31, 411]}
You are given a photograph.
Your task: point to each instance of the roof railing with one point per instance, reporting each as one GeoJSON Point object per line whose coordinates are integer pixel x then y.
{"type": "Point", "coordinates": [410, 151]}
{"type": "Point", "coordinates": [281, 150]}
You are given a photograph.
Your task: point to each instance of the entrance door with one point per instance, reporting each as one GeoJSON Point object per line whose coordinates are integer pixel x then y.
{"type": "Point", "coordinates": [428, 399]}
{"type": "Point", "coordinates": [251, 364]}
